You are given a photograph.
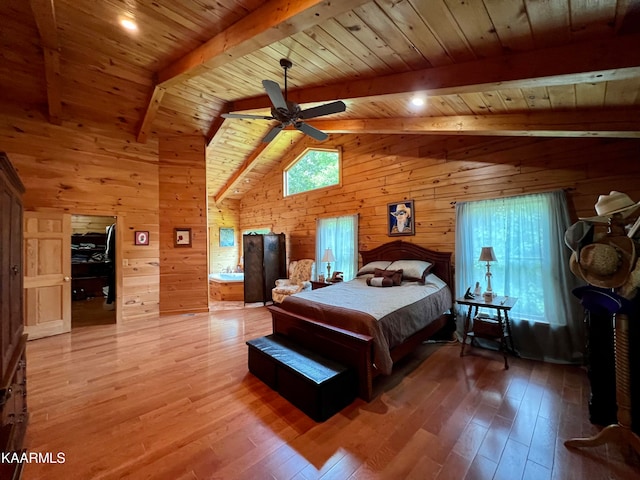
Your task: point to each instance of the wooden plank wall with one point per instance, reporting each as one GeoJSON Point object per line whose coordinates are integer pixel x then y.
{"type": "Point", "coordinates": [183, 201]}
{"type": "Point", "coordinates": [82, 169]}
{"type": "Point", "coordinates": [436, 172]}
{"type": "Point", "coordinates": [226, 214]}
{"type": "Point", "coordinates": [90, 224]}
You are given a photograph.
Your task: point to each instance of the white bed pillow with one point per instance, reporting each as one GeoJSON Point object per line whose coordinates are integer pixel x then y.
{"type": "Point", "coordinates": [412, 270]}
{"type": "Point", "coordinates": [371, 267]}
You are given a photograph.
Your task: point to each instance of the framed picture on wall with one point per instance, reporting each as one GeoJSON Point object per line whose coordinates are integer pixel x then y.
{"type": "Point", "coordinates": [141, 238]}
{"type": "Point", "coordinates": [400, 217]}
{"type": "Point", "coordinates": [227, 237]}
{"type": "Point", "coordinates": [182, 237]}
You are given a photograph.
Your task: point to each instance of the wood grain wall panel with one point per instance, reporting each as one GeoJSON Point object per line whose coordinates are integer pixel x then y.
{"type": "Point", "coordinates": [437, 172]}
{"type": "Point", "coordinates": [183, 202]}
{"type": "Point", "coordinates": [90, 224]}
{"type": "Point", "coordinates": [87, 171]}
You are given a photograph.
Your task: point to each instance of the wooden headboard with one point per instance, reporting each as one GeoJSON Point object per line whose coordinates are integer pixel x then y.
{"type": "Point", "coordinates": [399, 250]}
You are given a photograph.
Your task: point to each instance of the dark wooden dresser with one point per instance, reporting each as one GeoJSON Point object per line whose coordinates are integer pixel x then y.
{"type": "Point", "coordinates": [13, 364]}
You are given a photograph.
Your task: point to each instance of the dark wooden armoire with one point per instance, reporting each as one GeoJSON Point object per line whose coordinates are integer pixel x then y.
{"type": "Point", "coordinates": [13, 365]}
{"type": "Point", "coordinates": [264, 262]}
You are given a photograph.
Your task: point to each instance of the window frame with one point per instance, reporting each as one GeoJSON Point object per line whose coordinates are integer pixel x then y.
{"type": "Point", "coordinates": [289, 166]}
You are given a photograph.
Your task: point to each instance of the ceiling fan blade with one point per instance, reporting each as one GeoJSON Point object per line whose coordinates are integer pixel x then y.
{"type": "Point", "coordinates": [242, 115]}
{"type": "Point", "coordinates": [326, 109]}
{"type": "Point", "coordinates": [272, 133]}
{"type": "Point", "coordinates": [275, 94]}
{"type": "Point", "coordinates": [311, 131]}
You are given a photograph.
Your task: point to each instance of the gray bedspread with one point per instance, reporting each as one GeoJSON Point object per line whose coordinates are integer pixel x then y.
{"type": "Point", "coordinates": [390, 315]}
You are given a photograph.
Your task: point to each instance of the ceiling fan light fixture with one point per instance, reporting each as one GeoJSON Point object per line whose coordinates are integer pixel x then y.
{"type": "Point", "coordinates": [288, 113]}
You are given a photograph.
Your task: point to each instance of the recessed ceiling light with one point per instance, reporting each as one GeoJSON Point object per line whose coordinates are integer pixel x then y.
{"type": "Point", "coordinates": [418, 101]}
{"type": "Point", "coordinates": [129, 24]}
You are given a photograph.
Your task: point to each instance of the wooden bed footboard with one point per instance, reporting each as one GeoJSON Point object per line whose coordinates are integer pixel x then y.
{"type": "Point", "coordinates": [353, 350]}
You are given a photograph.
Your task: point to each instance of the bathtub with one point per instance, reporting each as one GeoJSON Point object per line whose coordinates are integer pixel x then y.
{"type": "Point", "coordinates": [226, 286]}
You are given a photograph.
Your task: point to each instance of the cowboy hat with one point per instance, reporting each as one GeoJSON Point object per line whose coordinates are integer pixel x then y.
{"type": "Point", "coordinates": [609, 205]}
{"type": "Point", "coordinates": [401, 208]}
{"type": "Point", "coordinates": [602, 300]}
{"type": "Point", "coordinates": [578, 235]}
{"type": "Point", "coordinates": [606, 262]}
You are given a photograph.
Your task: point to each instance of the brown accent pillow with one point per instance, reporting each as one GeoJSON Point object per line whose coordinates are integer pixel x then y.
{"type": "Point", "coordinates": [394, 275]}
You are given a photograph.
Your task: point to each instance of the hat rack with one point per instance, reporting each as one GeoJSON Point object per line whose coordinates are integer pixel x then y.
{"type": "Point", "coordinates": [621, 432]}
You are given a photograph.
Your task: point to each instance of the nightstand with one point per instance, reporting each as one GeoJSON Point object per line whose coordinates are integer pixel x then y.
{"type": "Point", "coordinates": [487, 326]}
{"type": "Point", "coordinates": [316, 285]}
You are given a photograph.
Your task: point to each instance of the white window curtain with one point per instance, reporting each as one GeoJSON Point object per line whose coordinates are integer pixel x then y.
{"type": "Point", "coordinates": [340, 234]}
{"type": "Point", "coordinates": [527, 236]}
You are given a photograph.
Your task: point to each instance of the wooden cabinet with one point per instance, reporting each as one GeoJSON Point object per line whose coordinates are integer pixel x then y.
{"type": "Point", "coordinates": [13, 404]}
{"type": "Point", "coordinates": [264, 262]}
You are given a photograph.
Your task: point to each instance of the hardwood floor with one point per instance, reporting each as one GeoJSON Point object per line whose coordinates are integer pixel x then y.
{"type": "Point", "coordinates": [91, 312]}
{"type": "Point", "coordinates": [172, 399]}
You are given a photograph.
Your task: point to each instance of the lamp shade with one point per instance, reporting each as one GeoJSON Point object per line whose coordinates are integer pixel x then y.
{"type": "Point", "coordinates": [487, 255]}
{"type": "Point", "coordinates": [328, 256]}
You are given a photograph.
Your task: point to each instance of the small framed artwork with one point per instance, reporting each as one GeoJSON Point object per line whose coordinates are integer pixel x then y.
{"type": "Point", "coordinates": [227, 237]}
{"type": "Point", "coordinates": [400, 217]}
{"type": "Point", "coordinates": [141, 237]}
{"type": "Point", "coordinates": [182, 237]}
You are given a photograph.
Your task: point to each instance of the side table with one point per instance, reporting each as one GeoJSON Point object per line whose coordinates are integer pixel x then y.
{"type": "Point", "coordinates": [486, 327]}
{"type": "Point", "coordinates": [316, 285]}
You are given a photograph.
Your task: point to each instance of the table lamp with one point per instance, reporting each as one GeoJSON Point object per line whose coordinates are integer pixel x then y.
{"type": "Point", "coordinates": [328, 257]}
{"type": "Point", "coordinates": [487, 255]}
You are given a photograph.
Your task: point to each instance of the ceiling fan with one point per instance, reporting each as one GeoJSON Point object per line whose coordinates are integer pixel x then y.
{"type": "Point", "coordinates": [290, 113]}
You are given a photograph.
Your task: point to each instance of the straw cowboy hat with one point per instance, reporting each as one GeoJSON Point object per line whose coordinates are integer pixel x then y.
{"type": "Point", "coordinates": [609, 205]}
{"type": "Point", "coordinates": [605, 263]}
{"type": "Point", "coordinates": [402, 208]}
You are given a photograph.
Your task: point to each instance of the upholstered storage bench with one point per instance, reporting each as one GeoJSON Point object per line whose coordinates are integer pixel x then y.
{"type": "Point", "coordinates": [318, 386]}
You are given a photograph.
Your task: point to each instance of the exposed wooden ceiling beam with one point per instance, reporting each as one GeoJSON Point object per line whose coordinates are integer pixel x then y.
{"type": "Point", "coordinates": [271, 22]}
{"type": "Point", "coordinates": [217, 123]}
{"type": "Point", "coordinates": [245, 168]}
{"type": "Point", "coordinates": [45, 17]}
{"type": "Point", "coordinates": [607, 123]}
{"type": "Point", "coordinates": [150, 114]}
{"type": "Point", "coordinates": [591, 62]}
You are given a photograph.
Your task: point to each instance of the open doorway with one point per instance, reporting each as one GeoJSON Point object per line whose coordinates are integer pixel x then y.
{"type": "Point", "coordinates": [92, 270]}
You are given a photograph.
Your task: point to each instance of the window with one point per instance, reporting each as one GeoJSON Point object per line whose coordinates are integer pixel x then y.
{"type": "Point", "coordinates": [312, 170]}
{"type": "Point", "coordinates": [527, 235]}
{"type": "Point", "coordinates": [340, 234]}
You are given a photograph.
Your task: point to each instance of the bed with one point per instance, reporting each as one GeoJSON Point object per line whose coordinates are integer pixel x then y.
{"type": "Point", "coordinates": [360, 337]}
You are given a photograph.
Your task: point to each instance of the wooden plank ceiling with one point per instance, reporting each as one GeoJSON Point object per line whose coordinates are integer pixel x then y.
{"type": "Point", "coordinates": [485, 67]}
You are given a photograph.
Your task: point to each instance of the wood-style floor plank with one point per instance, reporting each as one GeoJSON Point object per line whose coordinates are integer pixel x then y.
{"type": "Point", "coordinates": [172, 398]}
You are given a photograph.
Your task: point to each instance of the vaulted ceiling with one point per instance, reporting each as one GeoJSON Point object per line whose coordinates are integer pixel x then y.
{"type": "Point", "coordinates": [485, 67]}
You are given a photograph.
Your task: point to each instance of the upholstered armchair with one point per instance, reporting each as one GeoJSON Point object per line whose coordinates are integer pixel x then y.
{"type": "Point", "coordinates": [300, 274]}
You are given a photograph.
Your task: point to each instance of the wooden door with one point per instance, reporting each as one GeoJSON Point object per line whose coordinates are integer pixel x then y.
{"type": "Point", "coordinates": [47, 278]}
